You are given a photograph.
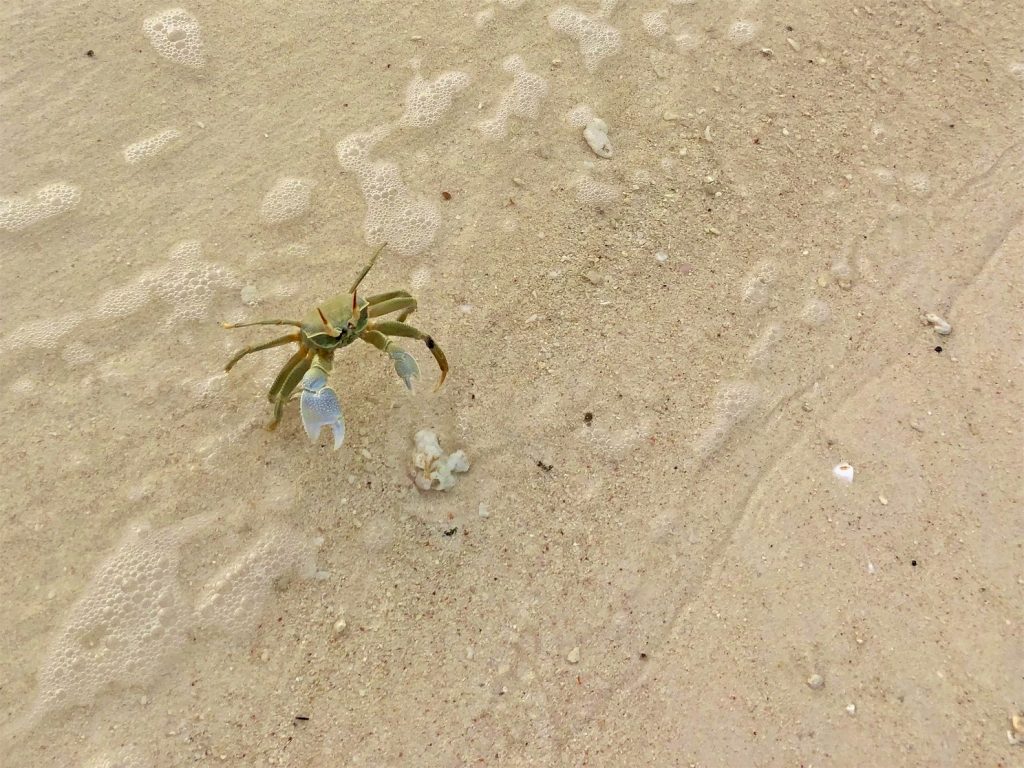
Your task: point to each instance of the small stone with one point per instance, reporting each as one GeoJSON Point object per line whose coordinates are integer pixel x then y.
{"type": "Point", "coordinates": [594, 277]}
{"type": "Point", "coordinates": [815, 682]}
{"type": "Point", "coordinates": [483, 510]}
{"type": "Point", "coordinates": [340, 626]}
{"type": "Point", "coordinates": [365, 453]}
{"type": "Point", "coordinates": [883, 501]}
{"type": "Point", "coordinates": [574, 656]}
{"type": "Point", "coordinates": [250, 295]}
{"type": "Point", "coordinates": [939, 324]}
{"type": "Point", "coordinates": [661, 257]}
{"type": "Point", "coordinates": [669, 117]}
{"type": "Point", "coordinates": [265, 656]}
{"type": "Point", "coordinates": [596, 135]}
{"type": "Point", "coordinates": [851, 709]}
{"type": "Point", "coordinates": [843, 472]}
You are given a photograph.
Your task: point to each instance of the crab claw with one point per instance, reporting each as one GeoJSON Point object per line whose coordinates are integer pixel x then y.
{"type": "Point", "coordinates": [405, 366]}
{"type": "Point", "coordinates": [319, 407]}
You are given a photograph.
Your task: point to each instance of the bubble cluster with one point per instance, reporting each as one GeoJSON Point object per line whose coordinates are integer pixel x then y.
{"type": "Point", "coordinates": [40, 334]}
{"type": "Point", "coordinates": [757, 288]}
{"type": "Point", "coordinates": [597, 39]}
{"type": "Point", "coordinates": [394, 215]}
{"type": "Point", "coordinates": [186, 282]}
{"type": "Point", "coordinates": [580, 115]}
{"type": "Point", "coordinates": [426, 101]}
{"type": "Point", "coordinates": [287, 200]}
{"type": "Point", "coordinates": [152, 145]}
{"type": "Point", "coordinates": [131, 618]}
{"type": "Point", "coordinates": [175, 35]}
{"type": "Point", "coordinates": [18, 213]}
{"type": "Point", "coordinates": [655, 23]}
{"type": "Point", "coordinates": [733, 402]}
{"type": "Point", "coordinates": [596, 193]}
{"type": "Point", "coordinates": [815, 313]}
{"type": "Point", "coordinates": [232, 600]}
{"type": "Point", "coordinates": [760, 352]}
{"type": "Point", "coordinates": [522, 99]}
{"type": "Point", "coordinates": [741, 31]}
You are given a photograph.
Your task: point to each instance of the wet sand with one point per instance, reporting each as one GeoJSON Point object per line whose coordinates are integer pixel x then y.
{"type": "Point", "coordinates": [657, 359]}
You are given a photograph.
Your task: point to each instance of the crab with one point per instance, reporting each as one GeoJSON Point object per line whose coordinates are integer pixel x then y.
{"type": "Point", "coordinates": [334, 324]}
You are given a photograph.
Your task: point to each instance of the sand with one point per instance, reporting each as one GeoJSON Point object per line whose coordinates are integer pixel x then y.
{"type": "Point", "coordinates": [657, 360]}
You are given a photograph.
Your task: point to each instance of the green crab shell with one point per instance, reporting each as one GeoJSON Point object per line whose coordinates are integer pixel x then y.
{"type": "Point", "coordinates": [338, 312]}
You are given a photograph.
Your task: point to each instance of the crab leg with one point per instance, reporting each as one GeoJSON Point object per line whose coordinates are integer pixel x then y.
{"type": "Point", "coordinates": [296, 323]}
{"type": "Point", "coordinates": [287, 339]}
{"type": "Point", "coordinates": [393, 301]}
{"type": "Point", "coordinates": [287, 380]}
{"type": "Point", "coordinates": [405, 364]}
{"type": "Point", "coordinates": [396, 328]}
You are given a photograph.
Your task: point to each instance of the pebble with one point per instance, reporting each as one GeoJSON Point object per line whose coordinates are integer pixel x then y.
{"type": "Point", "coordinates": [594, 277]}
{"type": "Point", "coordinates": [596, 134]}
{"type": "Point", "coordinates": [483, 511]}
{"type": "Point", "coordinates": [669, 117]}
{"type": "Point", "coordinates": [815, 682]}
{"type": "Point", "coordinates": [574, 656]}
{"type": "Point", "coordinates": [851, 709]}
{"type": "Point", "coordinates": [940, 325]}
{"type": "Point", "coordinates": [661, 256]}
{"type": "Point", "coordinates": [843, 472]}
{"type": "Point", "coordinates": [340, 626]}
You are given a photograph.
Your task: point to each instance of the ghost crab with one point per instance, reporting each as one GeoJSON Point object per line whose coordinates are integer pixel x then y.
{"type": "Point", "coordinates": [334, 324]}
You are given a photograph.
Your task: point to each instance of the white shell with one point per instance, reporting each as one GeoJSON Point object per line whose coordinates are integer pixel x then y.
{"type": "Point", "coordinates": [843, 472]}
{"type": "Point", "coordinates": [596, 134]}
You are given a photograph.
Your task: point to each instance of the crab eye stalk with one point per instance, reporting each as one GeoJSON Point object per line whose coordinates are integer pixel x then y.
{"type": "Point", "coordinates": [334, 332]}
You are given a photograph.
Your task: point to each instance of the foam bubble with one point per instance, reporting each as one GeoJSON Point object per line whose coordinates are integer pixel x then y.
{"type": "Point", "coordinates": [655, 23]}
{"type": "Point", "coordinates": [40, 334]}
{"type": "Point", "coordinates": [742, 31]}
{"type": "Point", "coordinates": [419, 279]}
{"type": "Point", "coordinates": [733, 403]}
{"type": "Point", "coordinates": [131, 618]}
{"type": "Point", "coordinates": [919, 183]}
{"type": "Point", "coordinates": [18, 213]}
{"type": "Point", "coordinates": [175, 35]}
{"type": "Point", "coordinates": [426, 101]}
{"type": "Point", "coordinates": [815, 313]}
{"type": "Point", "coordinates": [596, 193]}
{"type": "Point", "coordinates": [354, 150]}
{"type": "Point", "coordinates": [580, 115]}
{"type": "Point", "coordinates": [761, 350]}
{"type": "Point", "coordinates": [152, 145]}
{"type": "Point", "coordinates": [757, 287]}
{"type": "Point", "coordinates": [287, 200]}
{"type": "Point", "coordinates": [522, 99]}
{"type": "Point", "coordinates": [186, 282]}
{"type": "Point", "coordinates": [394, 215]}
{"type": "Point", "coordinates": [233, 600]}
{"type": "Point", "coordinates": [597, 39]}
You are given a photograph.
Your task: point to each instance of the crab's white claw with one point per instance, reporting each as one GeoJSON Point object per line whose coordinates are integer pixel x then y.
{"type": "Point", "coordinates": [319, 407]}
{"type": "Point", "coordinates": [405, 366]}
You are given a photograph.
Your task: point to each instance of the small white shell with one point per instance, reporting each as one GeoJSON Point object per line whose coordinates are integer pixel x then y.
{"type": "Point", "coordinates": [596, 134]}
{"type": "Point", "coordinates": [940, 325]}
{"type": "Point", "coordinates": [843, 472]}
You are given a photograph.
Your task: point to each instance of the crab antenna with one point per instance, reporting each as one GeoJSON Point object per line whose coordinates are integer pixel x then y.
{"type": "Point", "coordinates": [366, 269]}
{"type": "Point", "coordinates": [330, 328]}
